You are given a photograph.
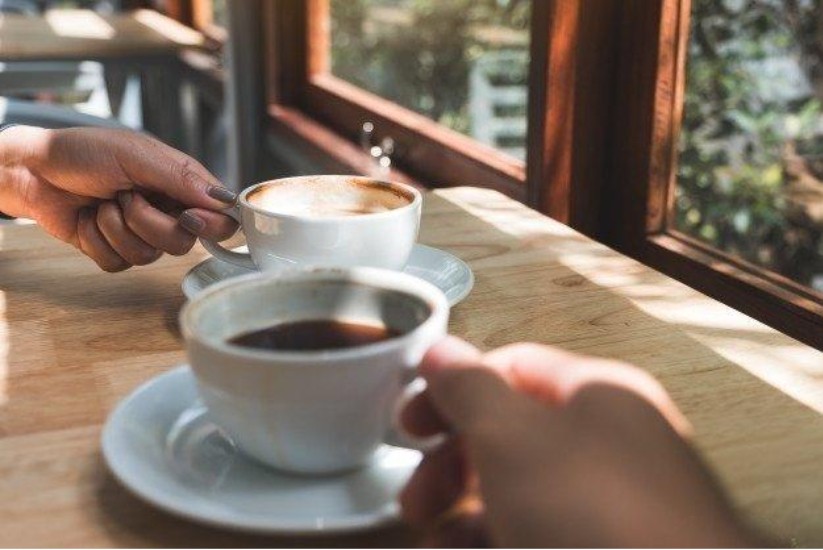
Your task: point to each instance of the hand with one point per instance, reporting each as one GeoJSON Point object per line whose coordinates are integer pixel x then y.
{"type": "Point", "coordinates": [548, 448]}
{"type": "Point", "coordinates": [120, 197]}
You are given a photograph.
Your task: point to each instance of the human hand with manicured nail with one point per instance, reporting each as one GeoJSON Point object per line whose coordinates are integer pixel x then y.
{"type": "Point", "coordinates": [120, 197]}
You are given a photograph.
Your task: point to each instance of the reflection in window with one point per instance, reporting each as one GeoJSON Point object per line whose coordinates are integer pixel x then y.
{"type": "Point", "coordinates": [750, 178]}
{"type": "Point", "coordinates": [462, 63]}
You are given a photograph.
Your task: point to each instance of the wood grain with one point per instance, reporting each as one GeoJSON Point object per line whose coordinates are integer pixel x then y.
{"type": "Point", "coordinates": [570, 97]}
{"type": "Point", "coordinates": [285, 30]}
{"type": "Point", "coordinates": [74, 341]}
{"type": "Point", "coordinates": [84, 34]}
{"type": "Point", "coordinates": [179, 10]}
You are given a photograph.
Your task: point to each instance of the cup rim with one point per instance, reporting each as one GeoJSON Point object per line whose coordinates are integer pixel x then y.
{"type": "Point", "coordinates": [382, 278]}
{"type": "Point", "coordinates": [416, 200]}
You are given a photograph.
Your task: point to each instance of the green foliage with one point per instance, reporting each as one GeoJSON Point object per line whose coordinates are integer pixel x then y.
{"type": "Point", "coordinates": [742, 117]}
{"type": "Point", "coordinates": [418, 53]}
{"type": "Point", "coordinates": [740, 122]}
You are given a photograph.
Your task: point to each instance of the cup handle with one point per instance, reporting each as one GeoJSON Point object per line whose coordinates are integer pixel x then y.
{"type": "Point", "coordinates": [397, 435]}
{"type": "Point", "coordinates": [242, 259]}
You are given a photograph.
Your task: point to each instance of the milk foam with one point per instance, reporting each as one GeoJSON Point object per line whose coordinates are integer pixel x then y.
{"type": "Point", "coordinates": [326, 197]}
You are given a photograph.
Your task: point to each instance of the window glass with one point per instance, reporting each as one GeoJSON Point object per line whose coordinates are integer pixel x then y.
{"type": "Point", "coordinates": [750, 175]}
{"type": "Point", "coordinates": [219, 13]}
{"type": "Point", "coordinates": [462, 63]}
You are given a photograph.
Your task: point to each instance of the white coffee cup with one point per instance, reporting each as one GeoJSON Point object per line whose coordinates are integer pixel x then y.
{"type": "Point", "coordinates": [311, 412]}
{"type": "Point", "coordinates": [313, 221]}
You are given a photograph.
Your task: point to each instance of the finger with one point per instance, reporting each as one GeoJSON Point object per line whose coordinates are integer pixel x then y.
{"type": "Point", "coordinates": [419, 417]}
{"type": "Point", "coordinates": [554, 376]}
{"type": "Point", "coordinates": [153, 226]}
{"type": "Point", "coordinates": [541, 371]}
{"type": "Point", "coordinates": [95, 246]}
{"type": "Point", "coordinates": [472, 400]}
{"type": "Point", "coordinates": [436, 485]}
{"type": "Point", "coordinates": [208, 224]}
{"type": "Point", "coordinates": [448, 352]}
{"type": "Point", "coordinates": [468, 396]}
{"type": "Point", "coordinates": [157, 167]}
{"type": "Point", "coordinates": [129, 246]}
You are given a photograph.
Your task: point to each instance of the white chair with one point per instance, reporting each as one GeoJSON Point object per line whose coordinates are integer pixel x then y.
{"type": "Point", "coordinates": [80, 82]}
{"type": "Point", "coordinates": [83, 83]}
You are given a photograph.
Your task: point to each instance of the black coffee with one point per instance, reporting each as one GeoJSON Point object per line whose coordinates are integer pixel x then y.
{"type": "Point", "coordinates": [316, 335]}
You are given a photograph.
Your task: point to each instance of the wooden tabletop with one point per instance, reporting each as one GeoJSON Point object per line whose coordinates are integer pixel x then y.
{"type": "Point", "coordinates": [84, 34]}
{"type": "Point", "coordinates": [74, 341]}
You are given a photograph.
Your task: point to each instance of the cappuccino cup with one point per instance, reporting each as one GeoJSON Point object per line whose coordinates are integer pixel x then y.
{"type": "Point", "coordinates": [325, 221]}
{"type": "Point", "coordinates": [310, 409]}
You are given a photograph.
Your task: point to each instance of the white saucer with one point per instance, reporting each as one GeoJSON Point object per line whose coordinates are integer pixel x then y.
{"type": "Point", "coordinates": [445, 271]}
{"type": "Point", "coordinates": [160, 444]}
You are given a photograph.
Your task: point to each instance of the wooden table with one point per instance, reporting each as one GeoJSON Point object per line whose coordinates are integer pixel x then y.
{"type": "Point", "coordinates": [73, 341]}
{"type": "Point", "coordinates": [85, 34]}
{"type": "Point", "coordinates": [142, 42]}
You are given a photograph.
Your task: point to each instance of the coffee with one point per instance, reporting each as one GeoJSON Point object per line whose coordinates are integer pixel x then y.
{"type": "Point", "coordinates": [328, 197]}
{"type": "Point", "coordinates": [314, 335]}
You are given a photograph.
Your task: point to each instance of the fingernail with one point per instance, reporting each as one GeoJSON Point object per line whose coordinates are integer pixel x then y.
{"type": "Point", "coordinates": [222, 194]}
{"type": "Point", "coordinates": [124, 198]}
{"type": "Point", "coordinates": [191, 222]}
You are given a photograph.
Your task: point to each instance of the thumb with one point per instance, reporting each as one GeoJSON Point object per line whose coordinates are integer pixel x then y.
{"type": "Point", "coordinates": [419, 416]}
{"type": "Point", "coordinates": [469, 397]}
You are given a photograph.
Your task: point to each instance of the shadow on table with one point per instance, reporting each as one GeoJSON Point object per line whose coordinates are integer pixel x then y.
{"type": "Point", "coordinates": [80, 285]}
{"type": "Point", "coordinates": [131, 522]}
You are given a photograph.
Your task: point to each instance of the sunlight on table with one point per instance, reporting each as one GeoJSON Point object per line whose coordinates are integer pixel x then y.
{"type": "Point", "coordinates": [776, 359]}
{"type": "Point", "coordinates": [169, 28]}
{"type": "Point", "coordinates": [79, 24]}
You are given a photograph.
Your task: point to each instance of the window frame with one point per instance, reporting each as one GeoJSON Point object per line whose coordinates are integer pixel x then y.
{"type": "Point", "coordinates": [202, 15]}
{"type": "Point", "coordinates": [605, 104]}
{"type": "Point", "coordinates": [429, 151]}
{"type": "Point", "coordinates": [437, 156]}
{"type": "Point", "coordinates": [650, 84]}
{"type": "Point", "coordinates": [197, 14]}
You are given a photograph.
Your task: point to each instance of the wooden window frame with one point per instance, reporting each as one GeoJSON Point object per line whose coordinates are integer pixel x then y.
{"type": "Point", "coordinates": [305, 99]}
{"type": "Point", "coordinates": [180, 10]}
{"type": "Point", "coordinates": [202, 17]}
{"type": "Point", "coordinates": [197, 14]}
{"type": "Point", "coordinates": [605, 103]}
{"type": "Point", "coordinates": [432, 154]}
{"type": "Point", "coordinates": [650, 86]}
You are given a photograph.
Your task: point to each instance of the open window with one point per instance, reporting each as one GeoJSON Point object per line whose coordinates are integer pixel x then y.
{"type": "Point", "coordinates": [686, 133]}
{"type": "Point", "coordinates": [717, 146]}
{"type": "Point", "coordinates": [461, 89]}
